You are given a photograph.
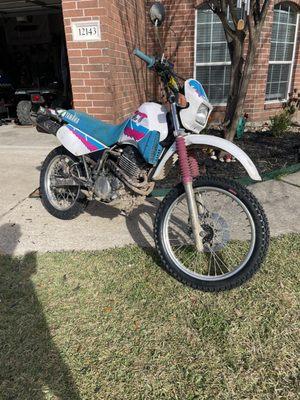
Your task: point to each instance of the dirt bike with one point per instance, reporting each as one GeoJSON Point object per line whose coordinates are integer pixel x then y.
{"type": "Point", "coordinates": [210, 233]}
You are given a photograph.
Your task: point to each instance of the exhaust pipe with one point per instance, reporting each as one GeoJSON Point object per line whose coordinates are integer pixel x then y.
{"type": "Point", "coordinates": [47, 122]}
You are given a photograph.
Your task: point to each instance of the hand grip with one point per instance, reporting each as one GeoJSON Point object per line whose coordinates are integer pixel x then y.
{"type": "Point", "coordinates": [148, 59]}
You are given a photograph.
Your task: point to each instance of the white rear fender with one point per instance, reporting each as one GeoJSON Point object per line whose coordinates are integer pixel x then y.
{"type": "Point", "coordinates": [216, 142]}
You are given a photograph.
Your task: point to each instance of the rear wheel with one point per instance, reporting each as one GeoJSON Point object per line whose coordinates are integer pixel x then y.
{"type": "Point", "coordinates": [234, 231]}
{"type": "Point", "coordinates": [60, 196]}
{"type": "Point", "coordinates": [23, 112]}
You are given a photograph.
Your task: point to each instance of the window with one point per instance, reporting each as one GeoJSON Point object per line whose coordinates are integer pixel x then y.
{"type": "Point", "coordinates": [283, 44]}
{"type": "Point", "coordinates": [212, 64]}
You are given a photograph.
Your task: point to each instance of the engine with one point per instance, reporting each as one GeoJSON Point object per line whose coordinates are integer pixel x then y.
{"type": "Point", "coordinates": [131, 162]}
{"type": "Point", "coordinates": [107, 187]}
{"type": "Point", "coordinates": [124, 181]}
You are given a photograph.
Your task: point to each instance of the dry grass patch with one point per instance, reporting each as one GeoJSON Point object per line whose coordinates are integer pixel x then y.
{"type": "Point", "coordinates": [114, 325]}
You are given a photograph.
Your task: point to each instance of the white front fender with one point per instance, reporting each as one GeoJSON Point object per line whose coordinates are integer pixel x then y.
{"type": "Point", "coordinates": [212, 141]}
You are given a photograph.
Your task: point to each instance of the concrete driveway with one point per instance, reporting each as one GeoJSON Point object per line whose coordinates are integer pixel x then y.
{"type": "Point", "coordinates": [24, 221]}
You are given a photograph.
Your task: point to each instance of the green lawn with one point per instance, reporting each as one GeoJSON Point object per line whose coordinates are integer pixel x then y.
{"type": "Point", "coordinates": [113, 325]}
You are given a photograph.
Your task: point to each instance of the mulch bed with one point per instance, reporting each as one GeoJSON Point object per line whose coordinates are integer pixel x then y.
{"type": "Point", "coordinates": [266, 151]}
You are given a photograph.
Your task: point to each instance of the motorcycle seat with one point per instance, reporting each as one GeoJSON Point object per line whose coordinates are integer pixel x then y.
{"type": "Point", "coordinates": [101, 131]}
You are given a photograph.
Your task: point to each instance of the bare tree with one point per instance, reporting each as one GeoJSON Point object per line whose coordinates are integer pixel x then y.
{"type": "Point", "coordinates": [242, 58]}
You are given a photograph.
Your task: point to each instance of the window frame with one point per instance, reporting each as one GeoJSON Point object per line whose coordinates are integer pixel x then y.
{"type": "Point", "coordinates": [291, 63]}
{"type": "Point", "coordinates": [206, 64]}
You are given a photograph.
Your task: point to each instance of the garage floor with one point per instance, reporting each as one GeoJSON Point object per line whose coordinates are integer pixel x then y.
{"type": "Point", "coordinates": [24, 221]}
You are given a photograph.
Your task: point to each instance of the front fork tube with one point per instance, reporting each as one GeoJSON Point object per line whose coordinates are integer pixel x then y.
{"type": "Point", "coordinates": [189, 169]}
{"type": "Point", "coordinates": [195, 172]}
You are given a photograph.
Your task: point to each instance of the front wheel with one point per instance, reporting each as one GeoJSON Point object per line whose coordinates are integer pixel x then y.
{"type": "Point", "coordinates": [234, 232]}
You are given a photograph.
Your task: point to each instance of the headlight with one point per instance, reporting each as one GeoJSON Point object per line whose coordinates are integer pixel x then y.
{"type": "Point", "coordinates": [202, 114]}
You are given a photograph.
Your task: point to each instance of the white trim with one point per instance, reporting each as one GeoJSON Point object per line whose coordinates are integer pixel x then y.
{"type": "Point", "coordinates": [284, 23]}
{"type": "Point", "coordinates": [294, 54]}
{"type": "Point", "coordinates": [205, 23]}
{"type": "Point", "coordinates": [291, 62]}
{"type": "Point", "coordinates": [223, 42]}
{"type": "Point", "coordinates": [195, 43]}
{"type": "Point", "coordinates": [219, 104]}
{"type": "Point", "coordinates": [275, 101]}
{"type": "Point", "coordinates": [208, 64]}
{"type": "Point", "coordinates": [279, 62]}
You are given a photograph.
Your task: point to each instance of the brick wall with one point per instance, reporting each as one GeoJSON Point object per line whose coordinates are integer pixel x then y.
{"type": "Point", "coordinates": [89, 62]}
{"type": "Point", "coordinates": [109, 82]}
{"type": "Point", "coordinates": [177, 36]}
{"type": "Point", "coordinates": [181, 17]}
{"type": "Point", "coordinates": [128, 77]}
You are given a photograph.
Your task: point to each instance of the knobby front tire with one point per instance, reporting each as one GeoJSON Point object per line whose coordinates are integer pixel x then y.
{"type": "Point", "coordinates": [259, 245]}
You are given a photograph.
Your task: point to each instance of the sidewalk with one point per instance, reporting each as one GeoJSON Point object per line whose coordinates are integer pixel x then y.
{"type": "Point", "coordinates": [100, 226]}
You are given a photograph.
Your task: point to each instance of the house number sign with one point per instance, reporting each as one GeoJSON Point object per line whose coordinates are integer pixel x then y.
{"type": "Point", "coordinates": [86, 31]}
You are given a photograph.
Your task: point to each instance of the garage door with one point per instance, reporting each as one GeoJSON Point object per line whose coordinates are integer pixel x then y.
{"type": "Point", "coordinates": [33, 58]}
{"type": "Point", "coordinates": [8, 7]}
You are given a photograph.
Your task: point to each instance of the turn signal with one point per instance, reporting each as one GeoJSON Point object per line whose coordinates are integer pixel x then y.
{"type": "Point", "coordinates": [182, 100]}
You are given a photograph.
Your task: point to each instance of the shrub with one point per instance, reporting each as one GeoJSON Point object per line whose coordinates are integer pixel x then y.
{"type": "Point", "coordinates": [293, 102]}
{"type": "Point", "coordinates": [281, 122]}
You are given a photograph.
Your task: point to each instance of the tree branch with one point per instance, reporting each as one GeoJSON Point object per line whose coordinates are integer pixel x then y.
{"type": "Point", "coordinates": [212, 6]}
{"type": "Point", "coordinates": [250, 20]}
{"type": "Point", "coordinates": [256, 11]}
{"type": "Point", "coordinates": [264, 11]}
{"type": "Point", "coordinates": [226, 26]}
{"type": "Point", "coordinates": [232, 12]}
{"type": "Point", "coordinates": [223, 6]}
{"type": "Point", "coordinates": [219, 7]}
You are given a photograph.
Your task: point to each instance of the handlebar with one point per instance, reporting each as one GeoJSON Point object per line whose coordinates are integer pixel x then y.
{"type": "Point", "coordinates": [148, 59]}
{"type": "Point", "coordinates": [164, 68]}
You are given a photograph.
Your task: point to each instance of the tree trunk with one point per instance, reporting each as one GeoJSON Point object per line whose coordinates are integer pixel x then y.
{"type": "Point", "coordinates": [240, 69]}
{"type": "Point", "coordinates": [238, 101]}
{"type": "Point", "coordinates": [237, 62]}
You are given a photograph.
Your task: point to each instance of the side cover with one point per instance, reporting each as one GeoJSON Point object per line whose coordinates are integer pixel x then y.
{"type": "Point", "coordinates": [146, 129]}
{"type": "Point", "coordinates": [78, 142]}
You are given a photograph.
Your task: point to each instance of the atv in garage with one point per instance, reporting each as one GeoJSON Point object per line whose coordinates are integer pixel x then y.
{"type": "Point", "coordinates": [28, 101]}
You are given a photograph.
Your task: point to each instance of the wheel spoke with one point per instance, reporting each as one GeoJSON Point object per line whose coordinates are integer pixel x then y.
{"type": "Point", "coordinates": [209, 263]}
{"type": "Point", "coordinates": [216, 257]}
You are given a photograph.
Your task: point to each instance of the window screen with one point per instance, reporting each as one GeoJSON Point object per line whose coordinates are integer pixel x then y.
{"type": "Point", "coordinates": [212, 56]}
{"type": "Point", "coordinates": [283, 41]}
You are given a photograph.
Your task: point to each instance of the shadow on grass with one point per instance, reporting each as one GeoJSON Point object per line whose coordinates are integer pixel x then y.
{"type": "Point", "coordinates": [31, 365]}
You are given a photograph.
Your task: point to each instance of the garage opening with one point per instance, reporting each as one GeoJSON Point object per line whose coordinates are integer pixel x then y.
{"type": "Point", "coordinates": [34, 66]}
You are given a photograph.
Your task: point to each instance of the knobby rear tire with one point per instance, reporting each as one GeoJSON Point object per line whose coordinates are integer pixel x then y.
{"type": "Point", "coordinates": [261, 242]}
{"type": "Point", "coordinates": [81, 202]}
{"type": "Point", "coordinates": [23, 112]}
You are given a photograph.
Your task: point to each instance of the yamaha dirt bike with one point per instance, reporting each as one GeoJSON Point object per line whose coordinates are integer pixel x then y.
{"type": "Point", "coordinates": [211, 233]}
